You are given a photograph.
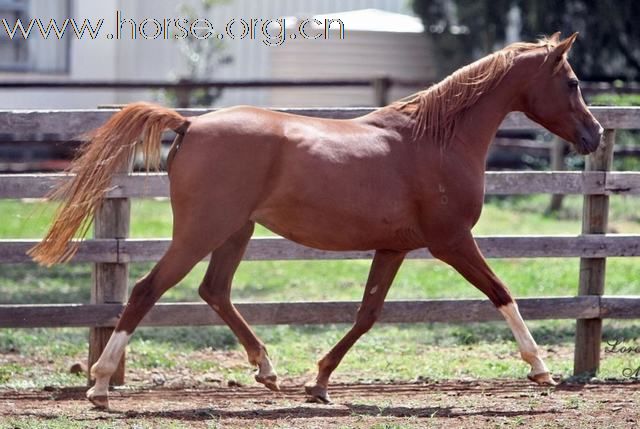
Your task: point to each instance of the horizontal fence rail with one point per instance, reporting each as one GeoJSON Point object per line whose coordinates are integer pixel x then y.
{"type": "Point", "coordinates": [185, 84]}
{"type": "Point", "coordinates": [62, 125]}
{"type": "Point", "coordinates": [191, 85]}
{"type": "Point", "coordinates": [310, 313]}
{"type": "Point", "coordinates": [279, 249]}
{"type": "Point", "coordinates": [496, 183]}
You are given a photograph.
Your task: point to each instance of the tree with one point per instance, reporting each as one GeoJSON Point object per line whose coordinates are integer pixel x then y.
{"type": "Point", "coordinates": [609, 45]}
{"type": "Point", "coordinates": [202, 57]}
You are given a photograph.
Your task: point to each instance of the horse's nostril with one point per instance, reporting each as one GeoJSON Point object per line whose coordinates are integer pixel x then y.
{"type": "Point", "coordinates": [587, 145]}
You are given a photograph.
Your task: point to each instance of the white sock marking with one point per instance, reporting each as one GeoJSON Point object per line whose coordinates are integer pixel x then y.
{"type": "Point", "coordinates": [526, 343]}
{"type": "Point", "coordinates": [264, 366]}
{"type": "Point", "coordinates": [108, 362]}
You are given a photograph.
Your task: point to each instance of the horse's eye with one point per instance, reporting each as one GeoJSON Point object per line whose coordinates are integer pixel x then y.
{"type": "Point", "coordinates": [573, 83]}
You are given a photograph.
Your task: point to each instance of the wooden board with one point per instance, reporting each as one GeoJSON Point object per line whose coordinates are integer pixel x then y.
{"type": "Point", "coordinates": [300, 313]}
{"type": "Point", "coordinates": [622, 183]}
{"type": "Point", "coordinates": [61, 125]}
{"type": "Point", "coordinates": [276, 249]}
{"type": "Point", "coordinates": [496, 183]}
{"type": "Point", "coordinates": [97, 250]}
{"type": "Point", "coordinates": [621, 307]}
{"type": "Point", "coordinates": [259, 249]}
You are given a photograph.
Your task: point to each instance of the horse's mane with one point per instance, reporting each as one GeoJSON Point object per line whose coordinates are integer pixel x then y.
{"type": "Point", "coordinates": [436, 109]}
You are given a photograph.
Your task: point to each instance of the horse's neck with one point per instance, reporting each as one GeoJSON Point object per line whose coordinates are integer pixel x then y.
{"type": "Point", "coordinates": [481, 121]}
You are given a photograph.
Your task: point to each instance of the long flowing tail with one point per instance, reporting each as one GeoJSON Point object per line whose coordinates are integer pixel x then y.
{"type": "Point", "coordinates": [110, 147]}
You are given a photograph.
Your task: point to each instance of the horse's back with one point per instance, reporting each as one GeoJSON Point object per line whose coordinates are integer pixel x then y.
{"type": "Point", "coordinates": [333, 184]}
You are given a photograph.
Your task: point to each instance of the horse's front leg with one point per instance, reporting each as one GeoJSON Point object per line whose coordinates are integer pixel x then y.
{"type": "Point", "coordinates": [383, 270]}
{"type": "Point", "coordinates": [467, 259]}
{"type": "Point", "coordinates": [216, 291]}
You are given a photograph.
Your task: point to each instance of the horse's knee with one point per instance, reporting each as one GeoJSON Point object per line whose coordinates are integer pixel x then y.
{"type": "Point", "coordinates": [211, 296]}
{"type": "Point", "coordinates": [144, 294]}
{"type": "Point", "coordinates": [205, 293]}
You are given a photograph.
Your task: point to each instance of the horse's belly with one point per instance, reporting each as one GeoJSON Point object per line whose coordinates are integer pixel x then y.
{"type": "Point", "coordinates": [341, 232]}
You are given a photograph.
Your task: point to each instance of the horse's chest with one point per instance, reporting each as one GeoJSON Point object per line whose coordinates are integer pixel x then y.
{"type": "Point", "coordinates": [449, 208]}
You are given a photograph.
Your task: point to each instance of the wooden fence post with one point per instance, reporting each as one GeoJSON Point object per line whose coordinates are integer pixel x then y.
{"type": "Point", "coordinates": [183, 95]}
{"type": "Point", "coordinates": [381, 86]}
{"type": "Point", "coordinates": [110, 280]}
{"type": "Point", "coordinates": [557, 164]}
{"type": "Point", "coordinates": [595, 216]}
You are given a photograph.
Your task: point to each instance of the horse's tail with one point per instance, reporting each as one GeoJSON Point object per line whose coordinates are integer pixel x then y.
{"type": "Point", "coordinates": [109, 148]}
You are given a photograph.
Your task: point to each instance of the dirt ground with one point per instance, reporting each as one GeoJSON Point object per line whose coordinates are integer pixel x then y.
{"type": "Point", "coordinates": [444, 404]}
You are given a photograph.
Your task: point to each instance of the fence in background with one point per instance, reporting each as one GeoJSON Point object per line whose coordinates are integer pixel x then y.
{"type": "Point", "coordinates": [380, 86]}
{"type": "Point", "coordinates": [112, 250]}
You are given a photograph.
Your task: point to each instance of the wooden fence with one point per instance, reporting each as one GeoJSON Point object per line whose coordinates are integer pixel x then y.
{"type": "Point", "coordinates": [380, 85]}
{"type": "Point", "coordinates": [112, 250]}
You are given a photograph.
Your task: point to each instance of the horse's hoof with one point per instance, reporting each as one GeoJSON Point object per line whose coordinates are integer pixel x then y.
{"type": "Point", "coordinates": [317, 393]}
{"type": "Point", "coordinates": [543, 379]}
{"type": "Point", "coordinates": [101, 402]}
{"type": "Point", "coordinates": [270, 381]}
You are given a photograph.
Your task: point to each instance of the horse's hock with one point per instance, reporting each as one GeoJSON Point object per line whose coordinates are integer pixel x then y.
{"type": "Point", "coordinates": [112, 250]}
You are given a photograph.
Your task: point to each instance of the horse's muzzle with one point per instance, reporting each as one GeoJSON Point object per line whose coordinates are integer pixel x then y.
{"type": "Point", "coordinates": [588, 138]}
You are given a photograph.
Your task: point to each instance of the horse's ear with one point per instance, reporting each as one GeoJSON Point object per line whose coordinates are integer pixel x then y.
{"type": "Point", "coordinates": [555, 38]}
{"type": "Point", "coordinates": [563, 47]}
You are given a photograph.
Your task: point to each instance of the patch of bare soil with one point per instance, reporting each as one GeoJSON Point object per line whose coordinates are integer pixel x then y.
{"type": "Point", "coordinates": [446, 404]}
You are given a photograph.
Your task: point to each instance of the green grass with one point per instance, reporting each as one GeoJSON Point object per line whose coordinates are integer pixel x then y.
{"type": "Point", "coordinates": [387, 353]}
{"type": "Point", "coordinates": [308, 280]}
{"type": "Point", "coordinates": [391, 352]}
{"type": "Point", "coordinates": [613, 99]}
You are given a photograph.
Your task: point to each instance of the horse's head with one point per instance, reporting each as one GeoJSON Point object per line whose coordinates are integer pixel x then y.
{"type": "Point", "coordinates": [553, 99]}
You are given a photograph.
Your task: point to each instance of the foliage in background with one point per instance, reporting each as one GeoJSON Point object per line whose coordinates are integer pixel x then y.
{"type": "Point", "coordinates": [610, 99]}
{"type": "Point", "coordinates": [608, 47]}
{"type": "Point", "coordinates": [203, 58]}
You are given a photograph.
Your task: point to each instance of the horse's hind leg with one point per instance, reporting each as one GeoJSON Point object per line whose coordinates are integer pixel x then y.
{"type": "Point", "coordinates": [383, 270]}
{"type": "Point", "coordinates": [189, 245]}
{"type": "Point", "coordinates": [466, 258]}
{"type": "Point", "coordinates": [216, 291]}
{"type": "Point", "coordinates": [172, 267]}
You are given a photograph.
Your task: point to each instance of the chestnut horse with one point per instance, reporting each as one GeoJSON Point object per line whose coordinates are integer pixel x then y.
{"type": "Point", "coordinates": [406, 176]}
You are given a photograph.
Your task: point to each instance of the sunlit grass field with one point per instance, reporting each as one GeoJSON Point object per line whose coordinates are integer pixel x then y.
{"type": "Point", "coordinates": [388, 352]}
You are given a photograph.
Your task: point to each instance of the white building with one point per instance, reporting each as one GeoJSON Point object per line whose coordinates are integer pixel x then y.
{"type": "Point", "coordinates": [380, 42]}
